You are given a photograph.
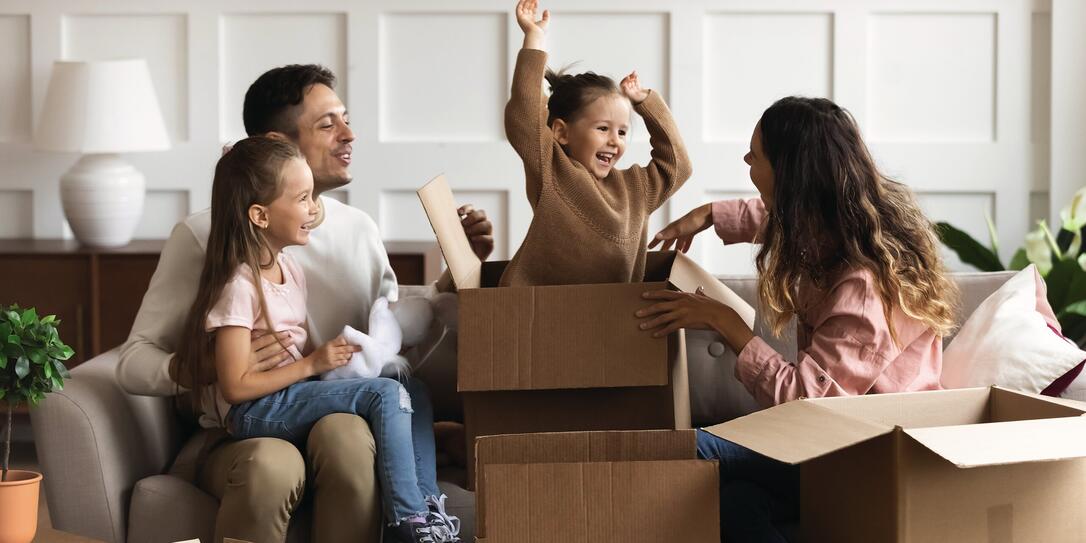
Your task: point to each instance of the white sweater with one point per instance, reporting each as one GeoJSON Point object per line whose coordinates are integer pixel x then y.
{"type": "Point", "coordinates": [345, 265]}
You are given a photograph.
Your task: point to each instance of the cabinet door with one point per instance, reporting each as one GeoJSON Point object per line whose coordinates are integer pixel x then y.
{"type": "Point", "coordinates": [122, 281]}
{"type": "Point", "coordinates": [55, 285]}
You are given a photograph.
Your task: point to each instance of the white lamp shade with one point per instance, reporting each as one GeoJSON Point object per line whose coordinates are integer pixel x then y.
{"type": "Point", "coordinates": [101, 107]}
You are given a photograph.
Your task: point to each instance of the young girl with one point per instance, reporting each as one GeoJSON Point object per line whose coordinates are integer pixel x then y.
{"type": "Point", "coordinates": [262, 202]}
{"type": "Point", "coordinates": [591, 220]}
{"type": "Point", "coordinates": [844, 250]}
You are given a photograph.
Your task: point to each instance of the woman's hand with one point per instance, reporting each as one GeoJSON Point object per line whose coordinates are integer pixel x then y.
{"type": "Point", "coordinates": [631, 88]}
{"type": "Point", "coordinates": [674, 310]}
{"type": "Point", "coordinates": [332, 355]}
{"type": "Point", "coordinates": [534, 30]}
{"type": "Point", "coordinates": [680, 233]}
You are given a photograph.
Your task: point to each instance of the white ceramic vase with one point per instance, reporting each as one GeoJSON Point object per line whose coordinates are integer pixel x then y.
{"type": "Point", "coordinates": [103, 199]}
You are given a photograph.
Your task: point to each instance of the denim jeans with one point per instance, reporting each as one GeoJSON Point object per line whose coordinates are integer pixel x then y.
{"type": "Point", "coordinates": [401, 417]}
{"type": "Point", "coordinates": [757, 494]}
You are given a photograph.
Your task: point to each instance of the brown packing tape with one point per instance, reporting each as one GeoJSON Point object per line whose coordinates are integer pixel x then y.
{"type": "Point", "coordinates": [440, 206]}
{"type": "Point", "coordinates": [571, 447]}
{"type": "Point", "coordinates": [629, 502]}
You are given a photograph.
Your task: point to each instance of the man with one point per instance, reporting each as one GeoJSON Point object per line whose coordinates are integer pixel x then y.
{"type": "Point", "coordinates": [259, 482]}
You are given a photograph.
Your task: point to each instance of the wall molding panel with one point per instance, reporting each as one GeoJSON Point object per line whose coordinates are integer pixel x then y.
{"type": "Point", "coordinates": [954, 96]}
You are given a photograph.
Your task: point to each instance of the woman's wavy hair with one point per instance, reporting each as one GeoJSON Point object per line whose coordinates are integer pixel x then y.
{"type": "Point", "coordinates": [832, 209]}
{"type": "Point", "coordinates": [249, 173]}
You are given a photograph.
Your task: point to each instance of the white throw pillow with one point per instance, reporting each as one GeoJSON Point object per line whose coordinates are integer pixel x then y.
{"type": "Point", "coordinates": [1008, 341]}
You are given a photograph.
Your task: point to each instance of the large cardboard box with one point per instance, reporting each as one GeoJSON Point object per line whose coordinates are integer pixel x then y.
{"type": "Point", "coordinates": [985, 465]}
{"type": "Point", "coordinates": [563, 358]}
{"type": "Point", "coordinates": [595, 487]}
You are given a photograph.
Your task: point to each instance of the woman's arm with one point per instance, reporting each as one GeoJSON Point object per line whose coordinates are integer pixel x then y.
{"type": "Point", "coordinates": [240, 381]}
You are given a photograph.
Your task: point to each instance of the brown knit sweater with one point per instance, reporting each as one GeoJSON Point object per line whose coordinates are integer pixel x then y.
{"type": "Point", "coordinates": [585, 230]}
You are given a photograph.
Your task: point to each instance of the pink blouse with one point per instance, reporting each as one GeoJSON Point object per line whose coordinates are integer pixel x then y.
{"type": "Point", "coordinates": [842, 334]}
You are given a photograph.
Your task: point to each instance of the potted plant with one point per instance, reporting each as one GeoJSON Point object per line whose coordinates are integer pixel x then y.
{"type": "Point", "coordinates": [31, 365]}
{"type": "Point", "coordinates": [1060, 258]}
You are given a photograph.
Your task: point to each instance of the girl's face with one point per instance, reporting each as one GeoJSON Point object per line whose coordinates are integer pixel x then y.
{"type": "Point", "coordinates": [287, 219]}
{"type": "Point", "coordinates": [761, 171]}
{"type": "Point", "coordinates": [597, 138]}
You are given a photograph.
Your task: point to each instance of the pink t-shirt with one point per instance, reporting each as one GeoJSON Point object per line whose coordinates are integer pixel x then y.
{"type": "Point", "coordinates": [844, 341]}
{"type": "Point", "coordinates": [239, 305]}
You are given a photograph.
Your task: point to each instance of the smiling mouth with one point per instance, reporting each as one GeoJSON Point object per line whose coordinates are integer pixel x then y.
{"type": "Point", "coordinates": [605, 159]}
{"type": "Point", "coordinates": [344, 157]}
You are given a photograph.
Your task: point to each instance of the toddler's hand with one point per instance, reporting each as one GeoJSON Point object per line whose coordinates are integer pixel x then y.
{"type": "Point", "coordinates": [526, 17]}
{"type": "Point", "coordinates": [332, 355]}
{"type": "Point", "coordinates": [631, 87]}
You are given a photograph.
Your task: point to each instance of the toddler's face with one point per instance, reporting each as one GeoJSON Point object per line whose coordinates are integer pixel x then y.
{"type": "Point", "coordinates": [597, 138]}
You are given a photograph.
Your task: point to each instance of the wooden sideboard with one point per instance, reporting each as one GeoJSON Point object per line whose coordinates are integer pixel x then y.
{"type": "Point", "coordinates": [96, 293]}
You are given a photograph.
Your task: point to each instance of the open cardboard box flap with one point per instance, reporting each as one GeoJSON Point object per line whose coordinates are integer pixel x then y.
{"type": "Point", "coordinates": [440, 205]}
{"type": "Point", "coordinates": [798, 431]}
{"type": "Point", "coordinates": [998, 443]}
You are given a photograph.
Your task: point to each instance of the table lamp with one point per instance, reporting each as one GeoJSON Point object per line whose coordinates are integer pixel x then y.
{"type": "Point", "coordinates": [101, 109]}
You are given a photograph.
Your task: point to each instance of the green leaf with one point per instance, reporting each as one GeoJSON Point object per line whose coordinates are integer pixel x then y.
{"type": "Point", "coordinates": [49, 319]}
{"type": "Point", "coordinates": [62, 370]}
{"type": "Point", "coordinates": [3, 361]}
{"type": "Point", "coordinates": [1066, 284]}
{"type": "Point", "coordinates": [1019, 261]}
{"type": "Point", "coordinates": [2, 393]}
{"type": "Point", "coordinates": [29, 316]}
{"type": "Point", "coordinates": [969, 250]}
{"type": "Point", "coordinates": [14, 339]}
{"type": "Point", "coordinates": [13, 317]}
{"type": "Point", "coordinates": [1077, 308]}
{"type": "Point", "coordinates": [22, 367]}
{"type": "Point", "coordinates": [36, 356]}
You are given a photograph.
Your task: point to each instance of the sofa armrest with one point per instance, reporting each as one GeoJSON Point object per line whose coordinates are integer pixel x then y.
{"type": "Point", "coordinates": [94, 442]}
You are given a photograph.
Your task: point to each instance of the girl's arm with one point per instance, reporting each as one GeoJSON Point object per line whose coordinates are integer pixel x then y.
{"type": "Point", "coordinates": [526, 113]}
{"type": "Point", "coordinates": [670, 166]}
{"type": "Point", "coordinates": [240, 382]}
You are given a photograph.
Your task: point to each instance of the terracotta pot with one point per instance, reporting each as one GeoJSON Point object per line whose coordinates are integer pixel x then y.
{"type": "Point", "coordinates": [19, 506]}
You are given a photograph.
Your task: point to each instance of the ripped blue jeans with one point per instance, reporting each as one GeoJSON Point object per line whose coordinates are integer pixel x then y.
{"type": "Point", "coordinates": [400, 416]}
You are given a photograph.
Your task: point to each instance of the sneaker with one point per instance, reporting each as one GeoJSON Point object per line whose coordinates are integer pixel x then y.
{"type": "Point", "coordinates": [445, 526]}
{"type": "Point", "coordinates": [413, 532]}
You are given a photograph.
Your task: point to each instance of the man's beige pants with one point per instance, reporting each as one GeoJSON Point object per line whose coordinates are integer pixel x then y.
{"type": "Point", "coordinates": [260, 481]}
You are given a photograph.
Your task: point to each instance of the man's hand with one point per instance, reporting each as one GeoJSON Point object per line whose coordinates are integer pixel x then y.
{"type": "Point", "coordinates": [631, 88]}
{"type": "Point", "coordinates": [534, 30]}
{"type": "Point", "coordinates": [267, 351]}
{"type": "Point", "coordinates": [479, 229]}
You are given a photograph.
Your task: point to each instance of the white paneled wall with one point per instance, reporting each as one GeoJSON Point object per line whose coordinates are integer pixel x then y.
{"type": "Point", "coordinates": [953, 95]}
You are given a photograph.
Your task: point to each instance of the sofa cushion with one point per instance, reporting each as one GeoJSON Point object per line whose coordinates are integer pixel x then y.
{"type": "Point", "coordinates": [168, 508]}
{"type": "Point", "coordinates": [1011, 340]}
{"type": "Point", "coordinates": [717, 396]}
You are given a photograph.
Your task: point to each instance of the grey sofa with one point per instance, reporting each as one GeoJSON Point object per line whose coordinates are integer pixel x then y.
{"type": "Point", "coordinates": [105, 454]}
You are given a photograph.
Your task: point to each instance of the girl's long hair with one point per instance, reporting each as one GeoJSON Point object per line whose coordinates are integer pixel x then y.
{"type": "Point", "coordinates": [248, 174]}
{"type": "Point", "coordinates": [832, 209]}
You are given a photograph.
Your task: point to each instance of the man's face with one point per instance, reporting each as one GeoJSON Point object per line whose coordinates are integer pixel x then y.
{"type": "Point", "coordinates": [325, 136]}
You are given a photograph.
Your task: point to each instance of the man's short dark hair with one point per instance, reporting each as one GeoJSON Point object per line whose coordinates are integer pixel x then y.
{"type": "Point", "coordinates": [271, 103]}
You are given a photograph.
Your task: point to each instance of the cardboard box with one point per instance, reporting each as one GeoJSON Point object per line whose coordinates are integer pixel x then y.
{"type": "Point", "coordinates": [590, 487]}
{"type": "Point", "coordinates": [985, 465]}
{"type": "Point", "coordinates": [563, 358]}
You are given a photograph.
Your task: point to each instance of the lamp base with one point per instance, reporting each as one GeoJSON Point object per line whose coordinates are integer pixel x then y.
{"type": "Point", "coordinates": [103, 200]}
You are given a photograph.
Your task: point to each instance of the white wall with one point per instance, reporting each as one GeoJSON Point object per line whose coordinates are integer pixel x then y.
{"type": "Point", "coordinates": [953, 95]}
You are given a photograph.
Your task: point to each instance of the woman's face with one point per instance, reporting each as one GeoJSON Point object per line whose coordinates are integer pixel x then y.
{"type": "Point", "coordinates": [761, 172]}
